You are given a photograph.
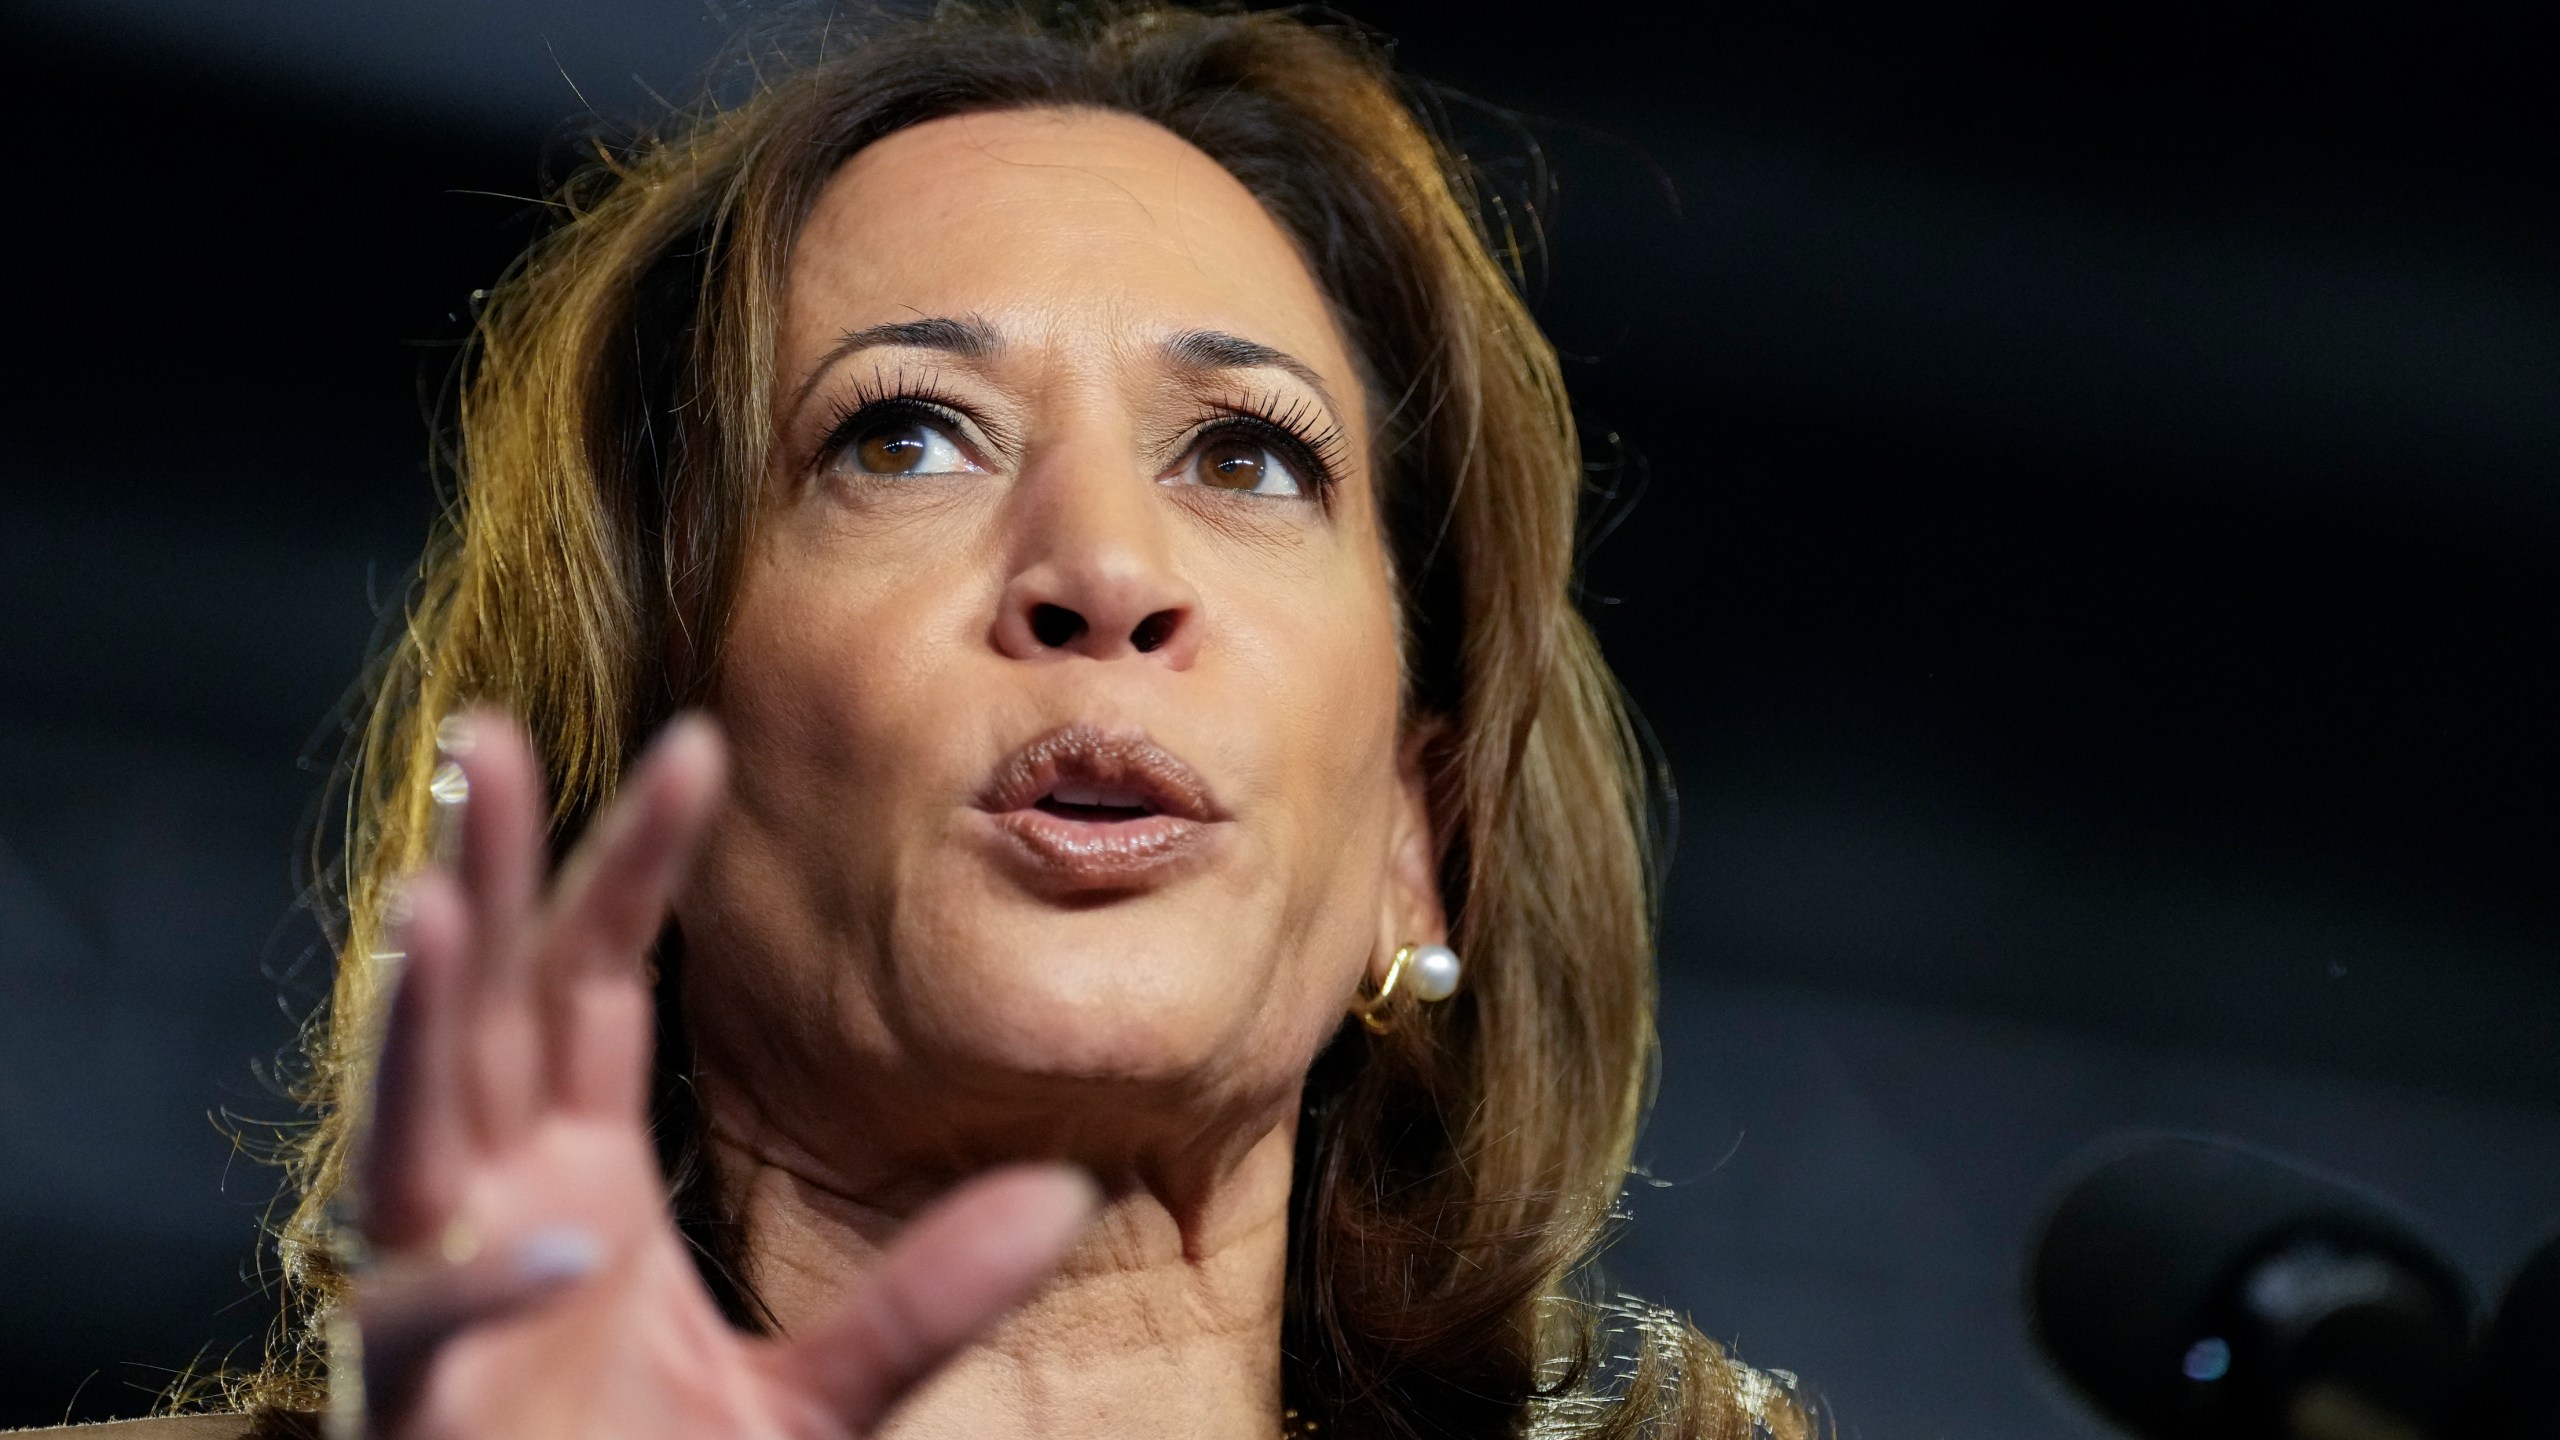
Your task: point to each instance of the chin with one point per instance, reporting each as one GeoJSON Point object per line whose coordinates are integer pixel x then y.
{"type": "Point", "coordinates": [1099, 1004]}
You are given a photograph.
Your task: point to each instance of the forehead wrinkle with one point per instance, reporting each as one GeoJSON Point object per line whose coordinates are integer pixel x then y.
{"type": "Point", "coordinates": [1176, 221]}
{"type": "Point", "coordinates": [993, 149]}
{"type": "Point", "coordinates": [1182, 215]}
{"type": "Point", "coordinates": [1182, 152]}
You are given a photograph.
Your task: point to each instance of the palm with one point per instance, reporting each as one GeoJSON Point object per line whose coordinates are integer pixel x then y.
{"type": "Point", "coordinates": [535, 1282]}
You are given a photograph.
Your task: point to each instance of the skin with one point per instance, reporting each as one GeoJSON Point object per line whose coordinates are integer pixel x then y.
{"type": "Point", "coordinates": [892, 995]}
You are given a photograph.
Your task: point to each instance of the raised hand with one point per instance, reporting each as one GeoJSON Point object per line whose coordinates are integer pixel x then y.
{"type": "Point", "coordinates": [529, 1279]}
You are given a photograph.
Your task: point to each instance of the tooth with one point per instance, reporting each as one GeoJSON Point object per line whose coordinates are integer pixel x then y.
{"type": "Point", "coordinates": [1078, 795]}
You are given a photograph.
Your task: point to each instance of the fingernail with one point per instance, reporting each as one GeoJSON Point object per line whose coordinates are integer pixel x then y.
{"type": "Point", "coordinates": [450, 789]}
{"type": "Point", "coordinates": [559, 1252]}
{"type": "Point", "coordinates": [396, 907]}
{"type": "Point", "coordinates": [453, 735]}
{"type": "Point", "coordinates": [671, 734]}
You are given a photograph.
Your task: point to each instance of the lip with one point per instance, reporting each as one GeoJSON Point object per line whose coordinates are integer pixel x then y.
{"type": "Point", "coordinates": [1073, 848]}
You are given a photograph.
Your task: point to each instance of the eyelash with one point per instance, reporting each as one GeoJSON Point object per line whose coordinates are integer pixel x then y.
{"type": "Point", "coordinates": [1290, 428]}
{"type": "Point", "coordinates": [1296, 429]}
{"type": "Point", "coordinates": [877, 399]}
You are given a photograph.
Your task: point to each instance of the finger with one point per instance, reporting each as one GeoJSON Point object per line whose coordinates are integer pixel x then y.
{"type": "Point", "coordinates": [501, 863]}
{"type": "Point", "coordinates": [497, 808]}
{"type": "Point", "coordinates": [608, 1032]}
{"type": "Point", "coordinates": [611, 904]}
{"type": "Point", "coordinates": [614, 892]}
{"type": "Point", "coordinates": [404, 1318]}
{"type": "Point", "coordinates": [414, 1148]}
{"type": "Point", "coordinates": [950, 1276]}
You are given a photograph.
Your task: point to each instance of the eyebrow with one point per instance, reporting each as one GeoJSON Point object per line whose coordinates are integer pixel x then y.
{"type": "Point", "coordinates": [1218, 350]}
{"type": "Point", "coordinates": [968, 337]}
{"type": "Point", "coordinates": [972, 338]}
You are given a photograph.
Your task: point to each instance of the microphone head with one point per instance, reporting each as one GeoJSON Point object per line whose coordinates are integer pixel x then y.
{"type": "Point", "coordinates": [2520, 1356]}
{"type": "Point", "coordinates": [2194, 1288]}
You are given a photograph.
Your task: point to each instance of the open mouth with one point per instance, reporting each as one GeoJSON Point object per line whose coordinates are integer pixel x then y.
{"type": "Point", "coordinates": [1094, 804]}
{"type": "Point", "coordinates": [1092, 776]}
{"type": "Point", "coordinates": [1091, 809]}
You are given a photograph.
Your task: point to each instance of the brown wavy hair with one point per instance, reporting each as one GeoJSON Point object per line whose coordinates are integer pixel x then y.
{"type": "Point", "coordinates": [610, 449]}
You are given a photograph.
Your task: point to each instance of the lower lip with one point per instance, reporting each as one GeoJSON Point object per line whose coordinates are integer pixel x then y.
{"type": "Point", "coordinates": [1101, 855]}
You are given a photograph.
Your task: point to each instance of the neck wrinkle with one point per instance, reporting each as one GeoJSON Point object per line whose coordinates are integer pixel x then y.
{"type": "Point", "coordinates": [1165, 1322]}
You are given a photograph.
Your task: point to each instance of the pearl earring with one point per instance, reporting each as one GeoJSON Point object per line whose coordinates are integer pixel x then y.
{"type": "Point", "coordinates": [1435, 970]}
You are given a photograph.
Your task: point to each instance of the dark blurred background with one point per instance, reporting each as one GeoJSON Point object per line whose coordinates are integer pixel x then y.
{"type": "Point", "coordinates": [2092, 578]}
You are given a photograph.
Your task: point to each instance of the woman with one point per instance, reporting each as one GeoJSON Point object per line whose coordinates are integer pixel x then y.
{"type": "Point", "coordinates": [1089, 526]}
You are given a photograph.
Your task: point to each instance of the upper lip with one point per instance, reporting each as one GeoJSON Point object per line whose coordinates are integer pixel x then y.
{"type": "Point", "coordinates": [1085, 756]}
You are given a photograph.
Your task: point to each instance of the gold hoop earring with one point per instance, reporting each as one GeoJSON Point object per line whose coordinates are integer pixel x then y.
{"type": "Point", "coordinates": [1435, 973]}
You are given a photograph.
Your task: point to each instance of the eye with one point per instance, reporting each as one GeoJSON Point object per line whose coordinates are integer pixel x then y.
{"type": "Point", "coordinates": [1233, 461]}
{"type": "Point", "coordinates": [903, 444]}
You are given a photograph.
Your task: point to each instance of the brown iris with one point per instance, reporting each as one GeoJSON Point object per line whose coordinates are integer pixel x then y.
{"type": "Point", "coordinates": [1233, 465]}
{"type": "Point", "coordinates": [892, 449]}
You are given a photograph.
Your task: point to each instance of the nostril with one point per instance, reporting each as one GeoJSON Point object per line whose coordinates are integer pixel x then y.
{"type": "Point", "coordinates": [1055, 625]}
{"type": "Point", "coordinates": [1153, 631]}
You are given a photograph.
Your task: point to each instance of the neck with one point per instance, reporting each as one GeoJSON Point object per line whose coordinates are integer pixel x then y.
{"type": "Point", "coordinates": [1165, 1322]}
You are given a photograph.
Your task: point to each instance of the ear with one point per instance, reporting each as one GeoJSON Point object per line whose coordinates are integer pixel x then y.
{"type": "Point", "coordinates": [1410, 908]}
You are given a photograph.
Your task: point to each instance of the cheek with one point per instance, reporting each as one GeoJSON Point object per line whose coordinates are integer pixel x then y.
{"type": "Point", "coordinates": [847, 627]}
{"type": "Point", "coordinates": [835, 693]}
{"type": "Point", "coordinates": [1318, 681]}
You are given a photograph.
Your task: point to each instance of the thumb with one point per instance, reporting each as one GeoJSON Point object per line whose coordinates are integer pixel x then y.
{"type": "Point", "coordinates": [955, 1272]}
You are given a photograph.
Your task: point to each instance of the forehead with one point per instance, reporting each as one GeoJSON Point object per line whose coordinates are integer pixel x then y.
{"type": "Point", "coordinates": [1055, 226]}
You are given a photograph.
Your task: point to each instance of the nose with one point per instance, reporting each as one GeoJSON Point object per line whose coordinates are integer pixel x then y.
{"type": "Point", "coordinates": [1093, 572]}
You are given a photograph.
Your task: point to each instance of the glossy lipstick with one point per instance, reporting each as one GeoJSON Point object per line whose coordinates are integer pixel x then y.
{"type": "Point", "coordinates": [1089, 809]}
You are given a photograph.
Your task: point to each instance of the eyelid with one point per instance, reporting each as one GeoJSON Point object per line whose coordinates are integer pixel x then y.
{"type": "Point", "coordinates": [1318, 460]}
{"type": "Point", "coordinates": [872, 402]}
{"type": "Point", "coordinates": [1299, 430]}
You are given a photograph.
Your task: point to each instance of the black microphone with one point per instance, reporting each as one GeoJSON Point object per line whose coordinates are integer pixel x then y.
{"type": "Point", "coordinates": [2199, 1290]}
{"type": "Point", "coordinates": [2520, 1355]}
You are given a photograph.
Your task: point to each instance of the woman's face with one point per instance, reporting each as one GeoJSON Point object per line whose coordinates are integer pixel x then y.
{"type": "Point", "coordinates": [1063, 683]}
